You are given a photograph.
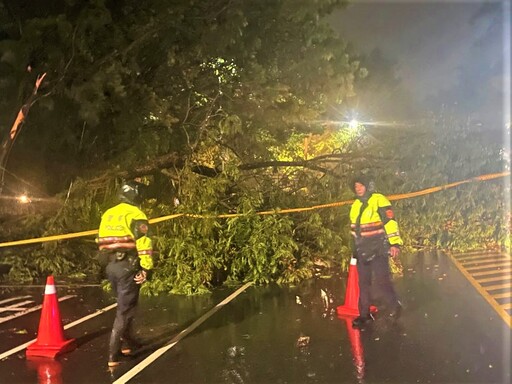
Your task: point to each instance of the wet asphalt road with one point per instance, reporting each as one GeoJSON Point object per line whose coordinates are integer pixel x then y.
{"type": "Point", "coordinates": [447, 334]}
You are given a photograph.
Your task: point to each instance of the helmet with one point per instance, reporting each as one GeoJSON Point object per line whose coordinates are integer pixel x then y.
{"type": "Point", "coordinates": [366, 180]}
{"type": "Point", "coordinates": [131, 192]}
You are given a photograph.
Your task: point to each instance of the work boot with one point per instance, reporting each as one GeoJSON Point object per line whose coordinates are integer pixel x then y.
{"type": "Point", "coordinates": [360, 321]}
{"type": "Point", "coordinates": [114, 360]}
{"type": "Point", "coordinates": [129, 347]}
{"type": "Point", "coordinates": [397, 311]}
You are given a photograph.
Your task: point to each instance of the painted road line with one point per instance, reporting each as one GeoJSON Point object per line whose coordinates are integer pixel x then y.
{"type": "Point", "coordinates": [493, 272]}
{"type": "Point", "coordinates": [481, 257]}
{"type": "Point", "coordinates": [470, 253]}
{"type": "Point", "coordinates": [491, 279]}
{"type": "Point", "coordinates": [90, 316]}
{"type": "Point", "coordinates": [16, 307]}
{"type": "Point", "coordinates": [7, 318]}
{"type": "Point", "coordinates": [159, 352]}
{"type": "Point", "coordinates": [504, 295]}
{"type": "Point", "coordinates": [495, 287]}
{"type": "Point", "coordinates": [486, 291]}
{"type": "Point", "coordinates": [14, 299]}
{"type": "Point", "coordinates": [67, 326]}
{"type": "Point", "coordinates": [484, 261]}
{"type": "Point", "coordinates": [505, 263]}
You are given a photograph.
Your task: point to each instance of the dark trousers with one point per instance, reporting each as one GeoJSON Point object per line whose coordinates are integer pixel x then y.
{"type": "Point", "coordinates": [121, 274]}
{"type": "Point", "coordinates": [378, 268]}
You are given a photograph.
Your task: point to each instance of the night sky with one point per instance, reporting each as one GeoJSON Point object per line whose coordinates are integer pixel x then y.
{"type": "Point", "coordinates": [455, 53]}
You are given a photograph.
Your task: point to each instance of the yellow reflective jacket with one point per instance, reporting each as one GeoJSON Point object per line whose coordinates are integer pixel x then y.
{"type": "Point", "coordinates": [377, 219]}
{"type": "Point", "coordinates": [125, 227]}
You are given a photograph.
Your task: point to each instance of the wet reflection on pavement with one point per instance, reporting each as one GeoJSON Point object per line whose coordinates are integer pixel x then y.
{"type": "Point", "coordinates": [48, 370]}
{"type": "Point", "coordinates": [272, 334]}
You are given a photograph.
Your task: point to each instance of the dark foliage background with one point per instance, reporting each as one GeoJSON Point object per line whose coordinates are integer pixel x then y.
{"type": "Point", "coordinates": [220, 107]}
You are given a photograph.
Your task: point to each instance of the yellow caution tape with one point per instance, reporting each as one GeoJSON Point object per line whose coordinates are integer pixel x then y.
{"type": "Point", "coordinates": [272, 212]}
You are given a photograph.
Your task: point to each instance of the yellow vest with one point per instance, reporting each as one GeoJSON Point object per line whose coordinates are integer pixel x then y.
{"type": "Point", "coordinates": [115, 233]}
{"type": "Point", "coordinates": [371, 223]}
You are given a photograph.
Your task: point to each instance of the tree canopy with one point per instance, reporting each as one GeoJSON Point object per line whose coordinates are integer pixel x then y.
{"type": "Point", "coordinates": [131, 82]}
{"type": "Point", "coordinates": [222, 107]}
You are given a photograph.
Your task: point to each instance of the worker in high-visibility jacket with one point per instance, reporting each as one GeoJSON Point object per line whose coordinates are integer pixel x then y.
{"type": "Point", "coordinates": [375, 237]}
{"type": "Point", "coordinates": [125, 245]}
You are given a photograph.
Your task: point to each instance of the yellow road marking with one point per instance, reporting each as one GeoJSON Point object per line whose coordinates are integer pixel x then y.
{"type": "Point", "coordinates": [490, 279]}
{"type": "Point", "coordinates": [499, 286]}
{"type": "Point", "coordinates": [505, 263]}
{"type": "Point", "coordinates": [486, 260]}
{"type": "Point", "coordinates": [501, 309]}
{"type": "Point", "coordinates": [480, 256]}
{"type": "Point", "coordinates": [471, 253]}
{"type": "Point", "coordinates": [493, 272]}
{"type": "Point", "coordinates": [502, 295]}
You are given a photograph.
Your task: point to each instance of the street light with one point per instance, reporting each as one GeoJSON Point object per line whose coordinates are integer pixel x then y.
{"type": "Point", "coordinates": [353, 124]}
{"type": "Point", "coordinates": [23, 199]}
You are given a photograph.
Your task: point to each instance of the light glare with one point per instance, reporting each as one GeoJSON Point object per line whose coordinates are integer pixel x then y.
{"type": "Point", "coordinates": [23, 199]}
{"type": "Point", "coordinates": [353, 124]}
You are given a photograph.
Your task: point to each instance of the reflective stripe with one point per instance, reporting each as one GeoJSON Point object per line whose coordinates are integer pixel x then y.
{"type": "Point", "coordinates": [367, 227]}
{"type": "Point", "coordinates": [50, 290]}
{"type": "Point", "coordinates": [371, 225]}
{"type": "Point", "coordinates": [372, 233]}
{"type": "Point", "coordinates": [369, 233]}
{"type": "Point", "coordinates": [117, 246]}
{"type": "Point", "coordinates": [114, 239]}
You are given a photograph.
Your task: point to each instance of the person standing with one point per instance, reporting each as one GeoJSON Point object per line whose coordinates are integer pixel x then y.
{"type": "Point", "coordinates": [124, 242]}
{"type": "Point", "coordinates": [376, 237]}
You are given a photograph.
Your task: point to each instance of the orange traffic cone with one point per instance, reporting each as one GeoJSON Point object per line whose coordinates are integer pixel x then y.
{"type": "Point", "coordinates": [50, 336]}
{"type": "Point", "coordinates": [351, 306]}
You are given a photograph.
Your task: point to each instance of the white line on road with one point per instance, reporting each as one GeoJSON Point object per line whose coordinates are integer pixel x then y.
{"type": "Point", "coordinates": [67, 326]}
{"type": "Point", "coordinates": [85, 318]}
{"type": "Point", "coordinates": [159, 352]}
{"type": "Point", "coordinates": [14, 299]}
{"type": "Point", "coordinates": [7, 318]}
{"type": "Point", "coordinates": [16, 307]}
